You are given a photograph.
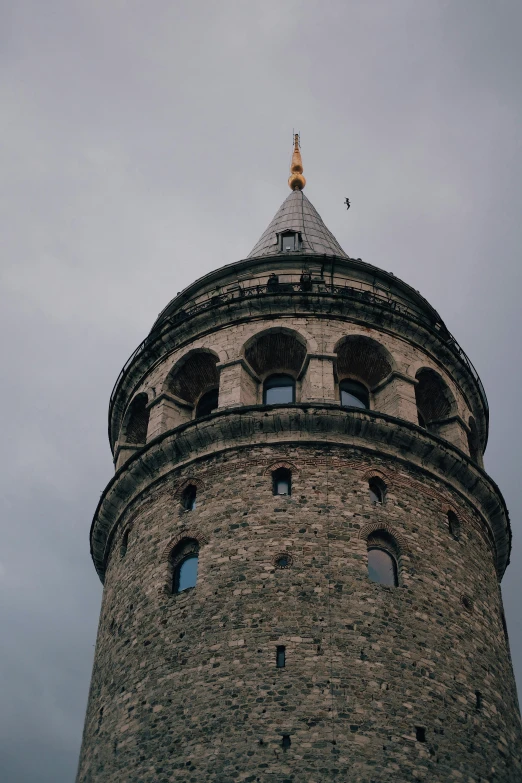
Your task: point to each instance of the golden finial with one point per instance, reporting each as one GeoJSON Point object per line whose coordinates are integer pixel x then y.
{"type": "Point", "coordinates": [296, 181]}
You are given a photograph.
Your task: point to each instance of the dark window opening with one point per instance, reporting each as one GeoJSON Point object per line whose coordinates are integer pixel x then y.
{"type": "Point", "coordinates": [282, 482]}
{"type": "Point", "coordinates": [478, 700]}
{"type": "Point", "coordinates": [208, 402]}
{"type": "Point", "coordinates": [188, 498]}
{"type": "Point", "coordinates": [354, 394]}
{"type": "Point", "coordinates": [281, 657]}
{"type": "Point", "coordinates": [422, 422]}
{"type": "Point", "coordinates": [285, 742]}
{"type": "Point", "coordinates": [454, 525]}
{"type": "Point", "coordinates": [289, 241]}
{"type": "Point", "coordinates": [279, 390]}
{"type": "Point", "coordinates": [377, 489]}
{"type": "Point", "coordinates": [420, 733]}
{"type": "Point", "coordinates": [283, 561]}
{"type": "Point", "coordinates": [124, 544]}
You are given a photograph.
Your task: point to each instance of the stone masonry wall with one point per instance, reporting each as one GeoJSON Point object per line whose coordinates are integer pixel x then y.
{"type": "Point", "coordinates": [185, 687]}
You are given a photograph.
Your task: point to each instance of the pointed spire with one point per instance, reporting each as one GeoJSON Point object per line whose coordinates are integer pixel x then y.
{"type": "Point", "coordinates": [296, 181]}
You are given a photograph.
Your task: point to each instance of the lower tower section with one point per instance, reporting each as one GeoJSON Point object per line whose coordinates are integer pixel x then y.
{"type": "Point", "coordinates": [286, 661]}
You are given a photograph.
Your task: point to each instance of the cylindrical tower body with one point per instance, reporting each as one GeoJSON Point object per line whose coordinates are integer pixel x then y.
{"type": "Point", "coordinates": [302, 429]}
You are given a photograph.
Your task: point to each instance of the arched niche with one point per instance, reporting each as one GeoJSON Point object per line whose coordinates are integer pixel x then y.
{"type": "Point", "coordinates": [274, 356]}
{"type": "Point", "coordinates": [361, 361]}
{"type": "Point", "coordinates": [136, 421]}
{"type": "Point", "coordinates": [433, 397]}
{"type": "Point", "coordinates": [195, 378]}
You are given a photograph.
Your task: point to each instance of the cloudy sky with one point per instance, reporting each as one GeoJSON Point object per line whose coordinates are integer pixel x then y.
{"type": "Point", "coordinates": [146, 143]}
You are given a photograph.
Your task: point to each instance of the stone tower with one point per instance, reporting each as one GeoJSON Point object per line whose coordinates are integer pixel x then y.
{"type": "Point", "coordinates": [300, 548]}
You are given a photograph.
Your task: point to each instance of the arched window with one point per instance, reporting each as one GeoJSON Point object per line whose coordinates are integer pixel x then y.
{"type": "Point", "coordinates": [377, 489]}
{"type": "Point", "coordinates": [382, 559]}
{"type": "Point", "coordinates": [454, 525]}
{"type": "Point", "coordinates": [137, 420]}
{"type": "Point", "coordinates": [278, 390]}
{"type": "Point", "coordinates": [184, 562]}
{"type": "Point", "coordinates": [433, 397]}
{"type": "Point", "coordinates": [282, 482]}
{"type": "Point", "coordinates": [207, 403]}
{"type": "Point", "coordinates": [354, 394]}
{"type": "Point", "coordinates": [188, 498]}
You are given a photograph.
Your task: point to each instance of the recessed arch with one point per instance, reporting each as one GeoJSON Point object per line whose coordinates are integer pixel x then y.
{"type": "Point", "coordinates": [362, 359]}
{"type": "Point", "coordinates": [136, 420]}
{"type": "Point", "coordinates": [277, 350]}
{"type": "Point", "coordinates": [195, 377]}
{"type": "Point", "coordinates": [434, 399]}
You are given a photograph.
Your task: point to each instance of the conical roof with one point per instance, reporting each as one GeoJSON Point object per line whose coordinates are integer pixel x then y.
{"type": "Point", "coordinates": [297, 213]}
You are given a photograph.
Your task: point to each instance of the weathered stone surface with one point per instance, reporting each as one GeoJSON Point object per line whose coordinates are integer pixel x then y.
{"type": "Point", "coordinates": [188, 683]}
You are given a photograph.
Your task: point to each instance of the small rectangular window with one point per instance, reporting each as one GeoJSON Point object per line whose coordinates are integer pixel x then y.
{"type": "Point", "coordinates": [281, 657]}
{"type": "Point", "coordinates": [420, 733]}
{"type": "Point", "coordinates": [288, 242]}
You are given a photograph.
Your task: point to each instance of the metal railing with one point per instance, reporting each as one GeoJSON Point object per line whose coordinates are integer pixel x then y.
{"type": "Point", "coordinates": [302, 288]}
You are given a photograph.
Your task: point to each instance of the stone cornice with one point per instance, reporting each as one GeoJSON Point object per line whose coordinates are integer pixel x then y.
{"type": "Point", "coordinates": [251, 426]}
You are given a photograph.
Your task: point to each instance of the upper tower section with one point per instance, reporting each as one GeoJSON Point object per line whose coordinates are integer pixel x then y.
{"type": "Point", "coordinates": [352, 338]}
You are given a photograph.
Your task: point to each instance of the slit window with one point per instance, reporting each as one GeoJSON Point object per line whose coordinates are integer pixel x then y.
{"type": "Point", "coordinates": [286, 742]}
{"type": "Point", "coordinates": [281, 657]}
{"type": "Point", "coordinates": [354, 394]}
{"type": "Point", "coordinates": [454, 525]}
{"type": "Point", "coordinates": [478, 700]}
{"type": "Point", "coordinates": [420, 733]}
{"type": "Point", "coordinates": [282, 482]}
{"type": "Point", "coordinates": [279, 390]}
{"type": "Point", "coordinates": [377, 490]}
{"type": "Point", "coordinates": [207, 403]}
{"type": "Point", "coordinates": [188, 499]}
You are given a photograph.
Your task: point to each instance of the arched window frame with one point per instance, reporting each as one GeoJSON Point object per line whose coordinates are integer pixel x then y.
{"type": "Point", "coordinates": [358, 390]}
{"type": "Point", "coordinates": [280, 376]}
{"type": "Point", "coordinates": [281, 475]}
{"type": "Point", "coordinates": [136, 421]}
{"type": "Point", "coordinates": [189, 497]}
{"type": "Point", "coordinates": [378, 487]}
{"type": "Point", "coordinates": [382, 540]}
{"type": "Point", "coordinates": [434, 398]}
{"type": "Point", "coordinates": [186, 549]}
